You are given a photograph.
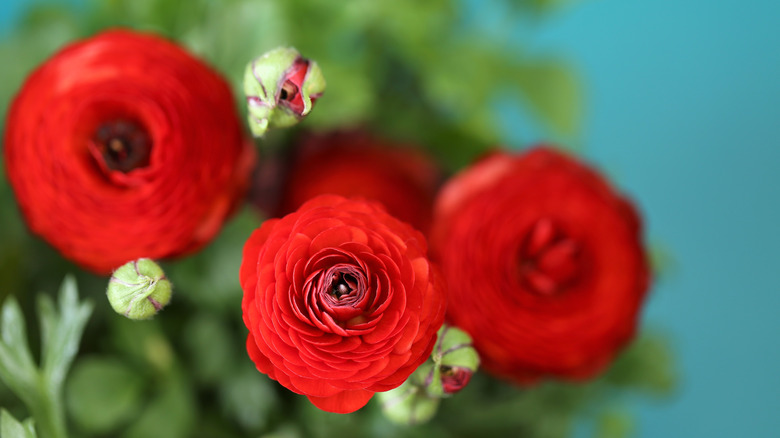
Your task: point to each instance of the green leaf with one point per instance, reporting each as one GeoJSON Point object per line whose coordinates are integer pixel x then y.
{"type": "Point", "coordinates": [552, 91]}
{"type": "Point", "coordinates": [260, 26]}
{"type": "Point", "coordinates": [61, 333]}
{"type": "Point", "coordinates": [103, 393]}
{"type": "Point", "coordinates": [17, 368]}
{"type": "Point", "coordinates": [646, 365]}
{"type": "Point", "coordinates": [14, 332]}
{"type": "Point", "coordinates": [10, 427]}
{"type": "Point", "coordinates": [614, 424]}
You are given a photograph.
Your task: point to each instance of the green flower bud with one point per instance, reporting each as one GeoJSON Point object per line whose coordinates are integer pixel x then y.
{"type": "Point", "coordinates": [450, 367]}
{"type": "Point", "coordinates": [408, 404]}
{"type": "Point", "coordinates": [455, 361]}
{"type": "Point", "coordinates": [280, 87]}
{"type": "Point", "coordinates": [139, 289]}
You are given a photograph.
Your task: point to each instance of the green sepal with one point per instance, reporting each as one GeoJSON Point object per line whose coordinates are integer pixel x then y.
{"type": "Point", "coordinates": [454, 348]}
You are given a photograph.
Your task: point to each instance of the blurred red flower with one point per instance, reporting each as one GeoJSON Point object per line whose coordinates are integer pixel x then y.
{"type": "Point", "coordinates": [124, 146]}
{"type": "Point", "coordinates": [544, 262]}
{"type": "Point", "coordinates": [340, 301]}
{"type": "Point", "coordinates": [358, 164]}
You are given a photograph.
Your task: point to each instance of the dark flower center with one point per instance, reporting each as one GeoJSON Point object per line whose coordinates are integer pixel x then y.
{"type": "Point", "coordinates": [549, 260]}
{"type": "Point", "coordinates": [289, 91]}
{"type": "Point", "coordinates": [343, 283]}
{"type": "Point", "coordinates": [339, 300]}
{"type": "Point", "coordinates": [122, 144]}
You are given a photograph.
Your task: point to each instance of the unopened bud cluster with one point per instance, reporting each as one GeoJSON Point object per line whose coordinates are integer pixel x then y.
{"type": "Point", "coordinates": [453, 361]}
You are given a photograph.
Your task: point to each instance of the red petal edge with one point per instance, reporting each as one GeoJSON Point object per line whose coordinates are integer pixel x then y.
{"type": "Point", "coordinates": [344, 402]}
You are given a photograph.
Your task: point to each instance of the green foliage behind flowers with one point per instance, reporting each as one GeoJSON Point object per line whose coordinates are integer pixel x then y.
{"type": "Point", "coordinates": [405, 67]}
{"type": "Point", "coordinates": [408, 69]}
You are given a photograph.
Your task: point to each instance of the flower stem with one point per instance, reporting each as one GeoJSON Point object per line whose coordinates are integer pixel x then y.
{"type": "Point", "coordinates": [48, 413]}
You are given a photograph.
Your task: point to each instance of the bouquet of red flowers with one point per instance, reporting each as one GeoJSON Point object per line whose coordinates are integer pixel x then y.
{"type": "Point", "coordinates": [367, 244]}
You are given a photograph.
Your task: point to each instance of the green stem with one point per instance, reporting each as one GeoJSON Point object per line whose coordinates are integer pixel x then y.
{"type": "Point", "coordinates": [48, 413]}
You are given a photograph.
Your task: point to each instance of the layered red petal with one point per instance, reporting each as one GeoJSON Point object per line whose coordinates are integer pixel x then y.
{"type": "Point", "coordinates": [340, 300]}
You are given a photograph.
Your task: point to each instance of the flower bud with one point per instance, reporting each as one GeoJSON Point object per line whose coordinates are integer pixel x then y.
{"type": "Point", "coordinates": [280, 87]}
{"type": "Point", "coordinates": [453, 379]}
{"type": "Point", "coordinates": [408, 404]}
{"type": "Point", "coordinates": [455, 361]}
{"type": "Point", "coordinates": [139, 289]}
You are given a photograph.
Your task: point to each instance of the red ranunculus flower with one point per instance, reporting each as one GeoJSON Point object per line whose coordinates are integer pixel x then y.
{"type": "Point", "coordinates": [340, 301]}
{"type": "Point", "coordinates": [544, 263]}
{"type": "Point", "coordinates": [124, 146]}
{"type": "Point", "coordinates": [358, 164]}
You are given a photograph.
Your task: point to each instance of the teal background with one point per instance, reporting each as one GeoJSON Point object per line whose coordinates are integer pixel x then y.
{"type": "Point", "coordinates": [683, 111]}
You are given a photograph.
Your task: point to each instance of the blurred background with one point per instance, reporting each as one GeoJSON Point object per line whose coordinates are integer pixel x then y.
{"type": "Point", "coordinates": [679, 103]}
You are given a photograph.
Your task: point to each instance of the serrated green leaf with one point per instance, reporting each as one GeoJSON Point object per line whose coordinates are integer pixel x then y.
{"type": "Point", "coordinates": [61, 332]}
{"type": "Point", "coordinates": [10, 427]}
{"type": "Point", "coordinates": [38, 388]}
{"type": "Point", "coordinates": [14, 333]}
{"type": "Point", "coordinates": [17, 368]}
{"type": "Point", "coordinates": [103, 393]}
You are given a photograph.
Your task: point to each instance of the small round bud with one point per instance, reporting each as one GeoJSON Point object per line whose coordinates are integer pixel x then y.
{"type": "Point", "coordinates": [408, 404]}
{"type": "Point", "coordinates": [139, 289]}
{"type": "Point", "coordinates": [280, 87]}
